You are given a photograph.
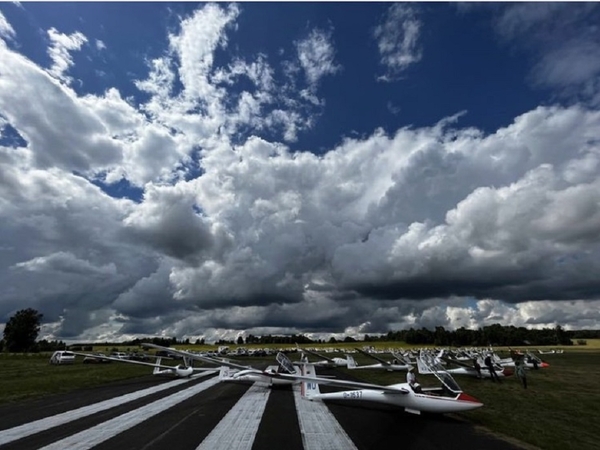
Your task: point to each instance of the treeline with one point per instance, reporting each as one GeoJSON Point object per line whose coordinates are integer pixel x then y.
{"type": "Point", "coordinates": [496, 334]}
{"type": "Point", "coordinates": [269, 339]}
{"type": "Point", "coordinates": [162, 341]}
{"type": "Point", "coordinates": [39, 346]}
{"type": "Point", "coordinates": [586, 334]}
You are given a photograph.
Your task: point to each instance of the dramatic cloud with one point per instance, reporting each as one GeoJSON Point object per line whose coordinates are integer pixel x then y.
{"type": "Point", "coordinates": [233, 230]}
{"type": "Point", "coordinates": [397, 39]}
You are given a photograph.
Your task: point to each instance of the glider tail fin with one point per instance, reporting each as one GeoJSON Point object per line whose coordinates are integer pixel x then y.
{"type": "Point", "coordinates": [351, 362]}
{"type": "Point", "coordinates": [157, 366]}
{"type": "Point", "coordinates": [422, 368]}
{"type": "Point", "coordinates": [225, 373]}
{"type": "Point", "coordinates": [309, 389]}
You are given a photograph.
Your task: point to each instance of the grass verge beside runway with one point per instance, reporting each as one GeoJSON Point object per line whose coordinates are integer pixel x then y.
{"type": "Point", "coordinates": [32, 376]}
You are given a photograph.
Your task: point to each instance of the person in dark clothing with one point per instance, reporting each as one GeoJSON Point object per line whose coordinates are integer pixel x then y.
{"type": "Point", "coordinates": [490, 366]}
{"type": "Point", "coordinates": [477, 367]}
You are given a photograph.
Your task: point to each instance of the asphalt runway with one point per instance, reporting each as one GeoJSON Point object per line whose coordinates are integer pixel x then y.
{"type": "Point", "coordinates": [202, 414]}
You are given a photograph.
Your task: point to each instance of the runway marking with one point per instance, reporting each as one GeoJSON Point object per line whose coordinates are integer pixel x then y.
{"type": "Point", "coordinates": [320, 430]}
{"type": "Point", "coordinates": [12, 434]}
{"type": "Point", "coordinates": [237, 430]}
{"type": "Point", "coordinates": [91, 437]}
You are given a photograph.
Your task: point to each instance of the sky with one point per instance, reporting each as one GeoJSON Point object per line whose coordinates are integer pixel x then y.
{"type": "Point", "coordinates": [213, 170]}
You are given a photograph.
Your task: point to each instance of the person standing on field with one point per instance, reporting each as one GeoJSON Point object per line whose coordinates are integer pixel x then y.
{"type": "Point", "coordinates": [490, 366]}
{"type": "Point", "coordinates": [477, 367]}
{"type": "Point", "coordinates": [411, 379]}
{"type": "Point", "coordinates": [521, 373]}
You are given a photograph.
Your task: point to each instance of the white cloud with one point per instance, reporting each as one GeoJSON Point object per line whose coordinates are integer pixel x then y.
{"type": "Point", "coordinates": [200, 35]}
{"type": "Point", "coordinates": [316, 55]}
{"type": "Point", "coordinates": [6, 30]}
{"type": "Point", "coordinates": [60, 131]}
{"type": "Point", "coordinates": [65, 262]}
{"type": "Point", "coordinates": [59, 52]}
{"type": "Point", "coordinates": [397, 39]}
{"type": "Point", "coordinates": [506, 230]}
{"type": "Point", "coordinates": [205, 109]}
{"type": "Point", "coordinates": [100, 45]}
{"type": "Point", "coordinates": [566, 66]}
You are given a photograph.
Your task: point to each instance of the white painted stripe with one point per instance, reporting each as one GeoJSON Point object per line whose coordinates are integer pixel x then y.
{"type": "Point", "coordinates": [319, 428]}
{"type": "Point", "coordinates": [12, 434]}
{"type": "Point", "coordinates": [237, 430]}
{"type": "Point", "coordinates": [106, 430]}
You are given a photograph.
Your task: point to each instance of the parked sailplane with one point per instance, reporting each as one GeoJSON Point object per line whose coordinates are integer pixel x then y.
{"type": "Point", "coordinates": [325, 361]}
{"type": "Point", "coordinates": [188, 357]}
{"type": "Point", "coordinates": [228, 374]}
{"type": "Point", "coordinates": [466, 369]}
{"type": "Point", "coordinates": [233, 372]}
{"type": "Point", "coordinates": [448, 398]}
{"type": "Point", "coordinates": [179, 371]}
{"type": "Point", "coordinates": [390, 366]}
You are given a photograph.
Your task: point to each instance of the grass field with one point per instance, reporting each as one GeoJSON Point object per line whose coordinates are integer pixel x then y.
{"type": "Point", "coordinates": [31, 376]}
{"type": "Point", "coordinates": [557, 412]}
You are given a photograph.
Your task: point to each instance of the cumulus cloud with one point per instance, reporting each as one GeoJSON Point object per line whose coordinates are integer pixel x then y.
{"type": "Point", "coordinates": [424, 226]}
{"type": "Point", "coordinates": [397, 40]}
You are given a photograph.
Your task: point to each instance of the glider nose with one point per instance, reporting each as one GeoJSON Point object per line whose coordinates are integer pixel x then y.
{"type": "Point", "coordinates": [507, 372]}
{"type": "Point", "coordinates": [468, 402]}
{"type": "Point", "coordinates": [545, 364]}
{"type": "Point", "coordinates": [467, 398]}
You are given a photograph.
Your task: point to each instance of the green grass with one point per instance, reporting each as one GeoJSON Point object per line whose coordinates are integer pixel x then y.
{"type": "Point", "coordinates": [31, 376]}
{"type": "Point", "coordinates": [557, 412]}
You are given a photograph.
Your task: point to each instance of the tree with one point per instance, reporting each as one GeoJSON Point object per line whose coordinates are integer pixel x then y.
{"type": "Point", "coordinates": [22, 330]}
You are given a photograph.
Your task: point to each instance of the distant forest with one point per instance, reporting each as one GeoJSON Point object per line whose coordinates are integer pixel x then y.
{"type": "Point", "coordinates": [496, 335]}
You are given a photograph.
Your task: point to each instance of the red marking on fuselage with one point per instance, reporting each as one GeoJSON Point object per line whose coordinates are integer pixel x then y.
{"type": "Point", "coordinates": [467, 398]}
